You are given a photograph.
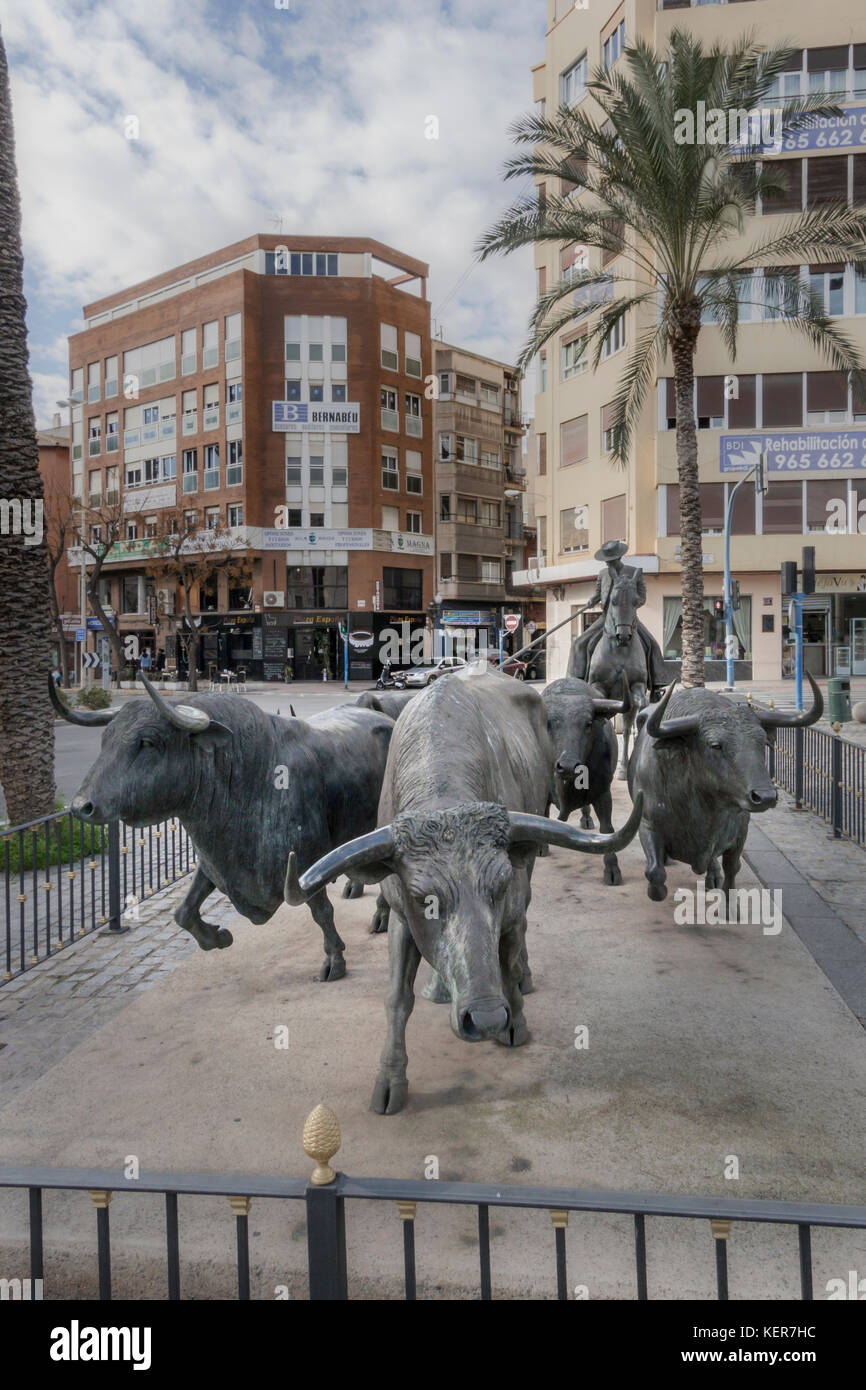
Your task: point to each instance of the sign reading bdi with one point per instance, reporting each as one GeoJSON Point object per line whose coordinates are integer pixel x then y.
{"type": "Point", "coordinates": [299, 417]}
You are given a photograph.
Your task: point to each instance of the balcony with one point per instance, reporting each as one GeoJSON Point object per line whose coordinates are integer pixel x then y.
{"type": "Point", "coordinates": [515, 476]}
{"type": "Point", "coordinates": [190, 482]}
{"type": "Point", "coordinates": [189, 422]}
{"type": "Point", "coordinates": [112, 443]}
{"type": "Point", "coordinates": [94, 447]}
{"type": "Point", "coordinates": [414, 426]}
{"type": "Point", "coordinates": [210, 357]}
{"type": "Point", "coordinates": [390, 420]}
{"type": "Point", "coordinates": [234, 475]}
{"type": "Point", "coordinates": [188, 364]}
{"type": "Point", "coordinates": [131, 439]}
{"type": "Point", "coordinates": [211, 479]}
{"type": "Point", "coordinates": [234, 413]}
{"type": "Point", "coordinates": [211, 417]}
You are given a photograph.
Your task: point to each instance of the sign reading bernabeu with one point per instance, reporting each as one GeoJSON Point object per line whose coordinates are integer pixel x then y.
{"type": "Point", "coordinates": [302, 417]}
{"type": "Point", "coordinates": [795, 451]}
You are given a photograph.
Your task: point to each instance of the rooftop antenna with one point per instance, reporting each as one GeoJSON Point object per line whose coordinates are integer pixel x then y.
{"type": "Point", "coordinates": [278, 225]}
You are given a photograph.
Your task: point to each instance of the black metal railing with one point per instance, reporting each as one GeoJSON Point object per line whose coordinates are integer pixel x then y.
{"type": "Point", "coordinates": [325, 1206]}
{"type": "Point", "coordinates": [62, 879]}
{"type": "Point", "coordinates": [826, 774]}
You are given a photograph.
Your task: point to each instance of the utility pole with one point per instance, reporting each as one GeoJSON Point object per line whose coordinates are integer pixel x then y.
{"type": "Point", "coordinates": [759, 471]}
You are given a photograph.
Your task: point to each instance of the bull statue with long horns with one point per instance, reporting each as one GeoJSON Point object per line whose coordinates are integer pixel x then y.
{"type": "Point", "coordinates": [462, 815]}
{"type": "Point", "coordinates": [247, 786]}
{"type": "Point", "coordinates": [700, 764]}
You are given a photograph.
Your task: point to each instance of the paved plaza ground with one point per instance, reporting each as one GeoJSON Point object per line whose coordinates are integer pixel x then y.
{"type": "Point", "coordinates": [705, 1043]}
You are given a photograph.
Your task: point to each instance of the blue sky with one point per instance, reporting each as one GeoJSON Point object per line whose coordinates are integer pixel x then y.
{"type": "Point", "coordinates": [249, 112]}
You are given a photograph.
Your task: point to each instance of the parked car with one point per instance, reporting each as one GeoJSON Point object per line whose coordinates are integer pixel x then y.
{"type": "Point", "coordinates": [511, 666]}
{"type": "Point", "coordinates": [423, 675]}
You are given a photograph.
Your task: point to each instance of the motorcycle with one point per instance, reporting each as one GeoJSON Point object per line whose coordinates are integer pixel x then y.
{"type": "Point", "coordinates": [391, 680]}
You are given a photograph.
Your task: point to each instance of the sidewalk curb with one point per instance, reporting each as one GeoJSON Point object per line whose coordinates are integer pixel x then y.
{"type": "Point", "coordinates": [836, 950]}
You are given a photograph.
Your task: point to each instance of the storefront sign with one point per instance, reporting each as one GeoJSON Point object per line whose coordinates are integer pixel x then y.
{"type": "Point", "coordinates": [302, 417]}
{"type": "Point", "coordinates": [297, 538]}
{"type": "Point", "coordinates": [361, 640]}
{"type": "Point", "coordinates": [459, 617]}
{"type": "Point", "coordinates": [827, 452]}
{"type": "Point", "coordinates": [411, 543]}
{"type": "Point", "coordinates": [841, 583]}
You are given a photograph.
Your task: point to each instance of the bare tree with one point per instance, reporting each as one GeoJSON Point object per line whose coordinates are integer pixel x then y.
{"type": "Point", "coordinates": [59, 533]}
{"type": "Point", "coordinates": [188, 555]}
{"type": "Point", "coordinates": [100, 528]}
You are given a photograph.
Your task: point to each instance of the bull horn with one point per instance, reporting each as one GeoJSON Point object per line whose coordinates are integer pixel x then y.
{"type": "Point", "coordinates": [658, 727]}
{"type": "Point", "coordinates": [292, 711]}
{"type": "Point", "coordinates": [542, 831]}
{"type": "Point", "coordinates": [193, 721]}
{"type": "Point", "coordinates": [88, 718]}
{"type": "Point", "coordinates": [794, 719]}
{"type": "Point", "coordinates": [615, 706]}
{"type": "Point", "coordinates": [355, 854]}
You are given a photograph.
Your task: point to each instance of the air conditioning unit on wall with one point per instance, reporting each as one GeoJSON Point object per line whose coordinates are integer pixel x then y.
{"type": "Point", "coordinates": [274, 598]}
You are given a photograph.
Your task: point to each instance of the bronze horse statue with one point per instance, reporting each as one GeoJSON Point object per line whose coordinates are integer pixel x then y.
{"type": "Point", "coordinates": [620, 652]}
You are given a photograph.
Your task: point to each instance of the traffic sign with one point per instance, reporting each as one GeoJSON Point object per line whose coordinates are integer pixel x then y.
{"type": "Point", "coordinates": [511, 621]}
{"type": "Point", "coordinates": [89, 660]}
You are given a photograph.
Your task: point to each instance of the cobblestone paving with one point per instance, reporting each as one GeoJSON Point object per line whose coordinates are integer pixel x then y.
{"type": "Point", "coordinates": [62, 1001]}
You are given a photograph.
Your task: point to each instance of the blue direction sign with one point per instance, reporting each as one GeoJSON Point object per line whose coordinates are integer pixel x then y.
{"type": "Point", "coordinates": [80, 634]}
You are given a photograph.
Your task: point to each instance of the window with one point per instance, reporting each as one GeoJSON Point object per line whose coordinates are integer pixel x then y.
{"type": "Point", "coordinates": [388, 403]}
{"type": "Point", "coordinates": [317, 519]}
{"type": "Point", "coordinates": [94, 486]}
{"type": "Point", "coordinates": [211, 466]}
{"type": "Point", "coordinates": [412, 344]}
{"type": "Point", "coordinates": [295, 516]}
{"type": "Point", "coordinates": [827, 282]}
{"type": "Point", "coordinates": [94, 436]}
{"type": "Point", "coordinates": [188, 352]}
{"type": "Point", "coordinates": [210, 344]}
{"type": "Point", "coordinates": [467, 510]}
{"type": "Point", "coordinates": [783, 508]}
{"type": "Point", "coordinates": [783, 399]}
{"type": "Point", "coordinates": [317, 391]}
{"type": "Point", "coordinates": [150, 527]}
{"type": "Point", "coordinates": [573, 440]}
{"type": "Point", "coordinates": [826, 398]}
{"type": "Point", "coordinates": [820, 492]}
{"type": "Point", "coordinates": [293, 390]}
{"type": "Point", "coordinates": [232, 346]}
{"type": "Point", "coordinates": [572, 83]}
{"type": "Point", "coordinates": [388, 340]}
{"type": "Point", "coordinates": [489, 513]}
{"type": "Point", "coordinates": [338, 339]}
{"type": "Point", "coordinates": [317, 586]}
{"type": "Point", "coordinates": [211, 518]}
{"type": "Point", "coordinates": [827, 180]}
{"type": "Point", "coordinates": [613, 519]}
{"type": "Point", "coordinates": [790, 195]}
{"type": "Point", "coordinates": [190, 521]}
{"type": "Point", "coordinates": [541, 441]}
{"type": "Point", "coordinates": [92, 382]}
{"type": "Point", "coordinates": [414, 479]}
{"type": "Point", "coordinates": [574, 529]}
{"type": "Point", "coordinates": [234, 391]}
{"type": "Point", "coordinates": [152, 363]}
{"type": "Point", "coordinates": [467, 567]}
{"type": "Point", "coordinates": [338, 392]}
{"type": "Point", "coordinates": [189, 464]}
{"type": "Point", "coordinates": [781, 292]}
{"type": "Point", "coordinates": [465, 386]}
{"type": "Point", "coordinates": [491, 571]}
{"type": "Point", "coordinates": [293, 471]}
{"type": "Point", "coordinates": [742, 407]}
{"type": "Point", "coordinates": [828, 69]}
{"type": "Point", "coordinates": [168, 467]}
{"type": "Point", "coordinates": [130, 532]}
{"type": "Point", "coordinates": [445, 447]}
{"type": "Point", "coordinates": [445, 507]}
{"type": "Point", "coordinates": [315, 345]}
{"type": "Point", "coordinates": [235, 466]}
{"type": "Point", "coordinates": [151, 470]}
{"type": "Point", "coordinates": [129, 588]}
{"type": "Point", "coordinates": [402, 588]}
{"type": "Point", "coordinates": [133, 475]}
{"type": "Point", "coordinates": [317, 470]}
{"type": "Point", "coordinates": [444, 383]}
{"type": "Point", "coordinates": [111, 376]}
{"type": "Point", "coordinates": [711, 402]}
{"type": "Point", "coordinates": [613, 45]}
{"type": "Point", "coordinates": [615, 339]}
{"type": "Point", "coordinates": [542, 281]}
{"type": "Point", "coordinates": [466, 449]}
{"type": "Point", "coordinates": [542, 368]}
{"type": "Point", "coordinates": [390, 518]}
{"type": "Point", "coordinates": [608, 417]}
{"type": "Point", "coordinates": [390, 473]}
{"type": "Point", "coordinates": [112, 438]}
{"type": "Point", "coordinates": [414, 423]}
{"type": "Point", "coordinates": [489, 393]}
{"type": "Point", "coordinates": [292, 333]}
{"type": "Point", "coordinates": [575, 358]}
{"type": "Point", "coordinates": [445, 570]}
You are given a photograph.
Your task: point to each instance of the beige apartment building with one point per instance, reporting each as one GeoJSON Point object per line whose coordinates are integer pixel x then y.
{"type": "Point", "coordinates": [808, 420]}
{"type": "Point", "coordinates": [480, 484]}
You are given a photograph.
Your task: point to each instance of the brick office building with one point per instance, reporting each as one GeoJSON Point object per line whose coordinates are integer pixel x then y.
{"type": "Point", "coordinates": [274, 388]}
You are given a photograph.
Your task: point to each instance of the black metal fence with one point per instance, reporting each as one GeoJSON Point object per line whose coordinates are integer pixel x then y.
{"type": "Point", "coordinates": [826, 774]}
{"type": "Point", "coordinates": [61, 879]}
{"type": "Point", "coordinates": [325, 1207]}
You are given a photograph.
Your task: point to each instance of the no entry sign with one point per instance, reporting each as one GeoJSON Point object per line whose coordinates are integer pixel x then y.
{"type": "Point", "coordinates": [511, 621]}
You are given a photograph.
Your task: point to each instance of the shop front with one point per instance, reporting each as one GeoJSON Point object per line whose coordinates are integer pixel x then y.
{"type": "Point", "coordinates": [834, 625]}
{"type": "Point", "coordinates": [468, 632]}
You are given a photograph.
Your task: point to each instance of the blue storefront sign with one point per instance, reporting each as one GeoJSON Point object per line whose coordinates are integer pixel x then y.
{"type": "Point", "coordinates": [94, 624]}
{"type": "Point", "coordinates": [819, 451]}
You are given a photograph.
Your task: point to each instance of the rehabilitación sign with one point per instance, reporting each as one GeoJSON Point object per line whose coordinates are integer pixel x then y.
{"type": "Point", "coordinates": [807, 451]}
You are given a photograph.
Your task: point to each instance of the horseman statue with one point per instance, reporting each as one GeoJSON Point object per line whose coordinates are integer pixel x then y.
{"type": "Point", "coordinates": [617, 650]}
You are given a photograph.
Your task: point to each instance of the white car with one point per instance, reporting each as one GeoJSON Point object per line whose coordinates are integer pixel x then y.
{"type": "Point", "coordinates": [423, 675]}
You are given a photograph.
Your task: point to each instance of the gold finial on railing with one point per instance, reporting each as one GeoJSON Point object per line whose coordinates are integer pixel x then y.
{"type": "Point", "coordinates": [321, 1140]}
{"type": "Point", "coordinates": [721, 1229]}
{"type": "Point", "coordinates": [559, 1217]}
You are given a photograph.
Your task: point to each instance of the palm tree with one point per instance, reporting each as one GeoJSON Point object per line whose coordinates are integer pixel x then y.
{"type": "Point", "coordinates": [664, 211]}
{"type": "Point", "coordinates": [26, 717]}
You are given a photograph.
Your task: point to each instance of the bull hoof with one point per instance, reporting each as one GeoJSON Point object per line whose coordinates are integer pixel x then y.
{"type": "Point", "coordinates": [435, 990]}
{"type": "Point", "coordinates": [713, 880]}
{"type": "Point", "coordinates": [526, 986]}
{"type": "Point", "coordinates": [586, 821]}
{"type": "Point", "coordinates": [223, 938]}
{"type": "Point", "coordinates": [352, 889]}
{"type": "Point", "coordinates": [379, 923]}
{"type": "Point", "coordinates": [332, 969]}
{"type": "Point", "coordinates": [389, 1097]}
{"type": "Point", "coordinates": [514, 1036]}
{"type": "Point", "coordinates": [657, 892]}
{"type": "Point", "coordinates": [212, 938]}
{"type": "Point", "coordinates": [613, 877]}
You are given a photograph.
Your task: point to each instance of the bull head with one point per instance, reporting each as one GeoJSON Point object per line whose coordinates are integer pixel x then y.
{"type": "Point", "coordinates": [371, 857]}
{"type": "Point", "coordinates": [657, 726]}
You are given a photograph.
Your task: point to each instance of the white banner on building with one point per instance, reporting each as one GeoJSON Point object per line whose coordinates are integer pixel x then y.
{"type": "Point", "coordinates": [298, 538]}
{"type": "Point", "coordinates": [150, 498]}
{"type": "Point", "coordinates": [301, 417]}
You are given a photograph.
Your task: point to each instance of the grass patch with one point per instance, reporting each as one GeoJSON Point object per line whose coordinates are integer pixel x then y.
{"type": "Point", "coordinates": [52, 842]}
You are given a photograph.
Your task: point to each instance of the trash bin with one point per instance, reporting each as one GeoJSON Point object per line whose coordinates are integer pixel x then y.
{"type": "Point", "coordinates": [839, 699]}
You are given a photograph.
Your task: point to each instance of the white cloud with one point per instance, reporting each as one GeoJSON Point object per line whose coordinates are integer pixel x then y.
{"type": "Point", "coordinates": [316, 114]}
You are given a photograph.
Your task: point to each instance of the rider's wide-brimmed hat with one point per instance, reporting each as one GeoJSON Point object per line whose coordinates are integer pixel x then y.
{"type": "Point", "coordinates": [611, 550]}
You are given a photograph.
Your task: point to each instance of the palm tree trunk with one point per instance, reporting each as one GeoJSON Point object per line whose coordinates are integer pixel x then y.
{"type": "Point", "coordinates": [683, 343]}
{"type": "Point", "coordinates": [26, 716]}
